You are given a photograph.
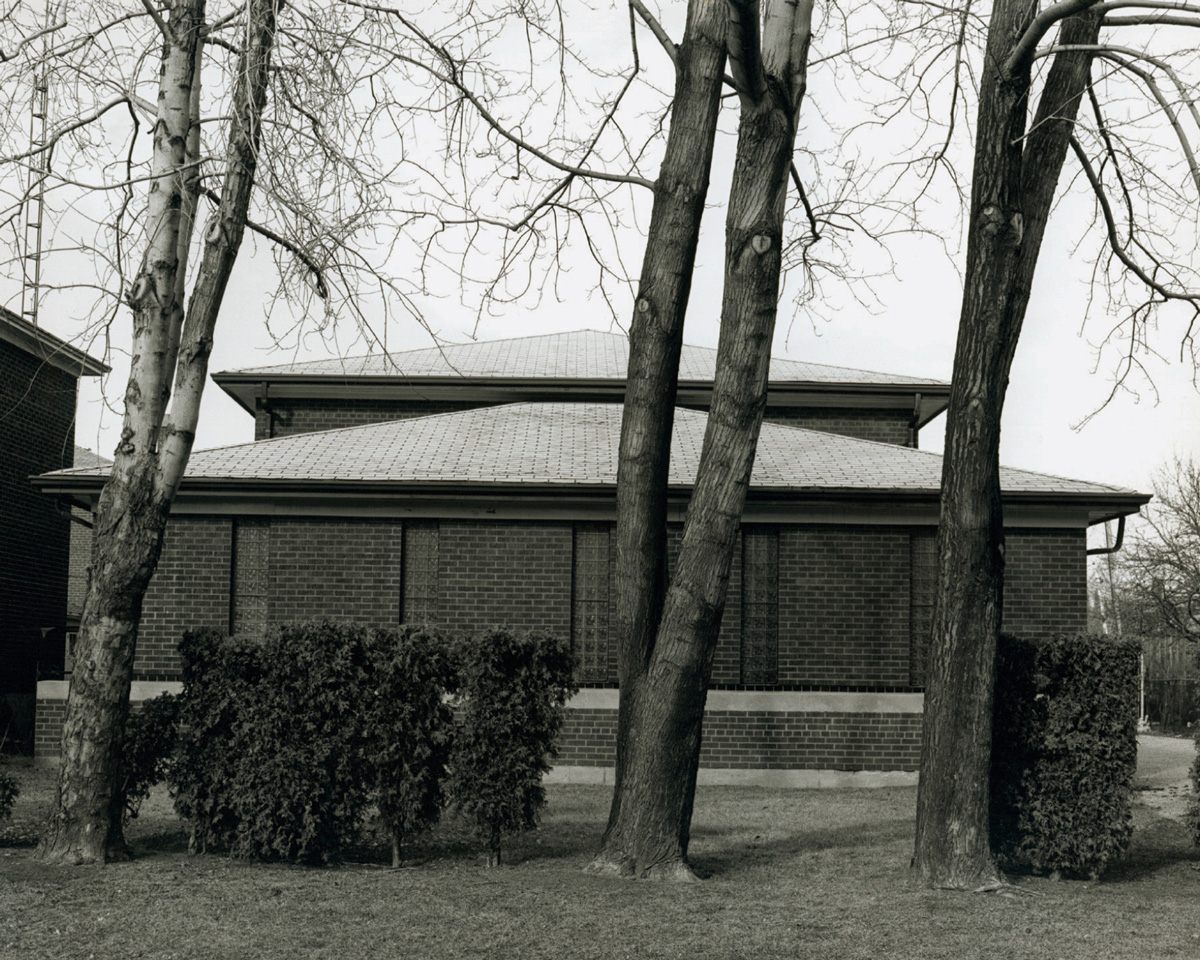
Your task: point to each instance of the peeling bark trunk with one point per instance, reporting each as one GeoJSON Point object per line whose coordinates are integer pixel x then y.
{"type": "Point", "coordinates": [86, 823]}
{"type": "Point", "coordinates": [1014, 182]}
{"type": "Point", "coordinates": [648, 834]}
{"type": "Point", "coordinates": [656, 339]}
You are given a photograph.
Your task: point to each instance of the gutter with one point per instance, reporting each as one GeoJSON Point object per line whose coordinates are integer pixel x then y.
{"type": "Point", "coordinates": [1097, 551]}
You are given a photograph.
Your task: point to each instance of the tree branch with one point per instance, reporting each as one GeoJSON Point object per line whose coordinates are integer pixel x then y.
{"type": "Point", "coordinates": [657, 29]}
{"type": "Point", "coordinates": [1114, 241]}
{"type": "Point", "coordinates": [744, 47]}
{"type": "Point", "coordinates": [1022, 54]}
{"type": "Point", "coordinates": [158, 20]}
{"type": "Point", "coordinates": [452, 78]}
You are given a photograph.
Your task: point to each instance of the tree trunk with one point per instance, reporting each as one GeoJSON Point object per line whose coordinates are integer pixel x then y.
{"type": "Point", "coordinates": [655, 342]}
{"type": "Point", "coordinates": [1014, 182]}
{"type": "Point", "coordinates": [648, 834]}
{"type": "Point", "coordinates": [85, 825]}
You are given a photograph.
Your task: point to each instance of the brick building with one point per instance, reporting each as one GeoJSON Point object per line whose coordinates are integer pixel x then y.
{"type": "Point", "coordinates": [476, 485]}
{"type": "Point", "coordinates": [39, 376]}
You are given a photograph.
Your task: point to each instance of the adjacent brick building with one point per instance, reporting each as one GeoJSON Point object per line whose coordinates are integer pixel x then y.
{"type": "Point", "coordinates": [39, 376]}
{"type": "Point", "coordinates": [484, 512]}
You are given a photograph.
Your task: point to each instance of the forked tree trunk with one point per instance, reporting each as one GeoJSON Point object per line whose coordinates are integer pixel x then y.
{"type": "Point", "coordinates": [655, 343]}
{"type": "Point", "coordinates": [1014, 181]}
{"type": "Point", "coordinates": [648, 835]}
{"type": "Point", "coordinates": [85, 824]}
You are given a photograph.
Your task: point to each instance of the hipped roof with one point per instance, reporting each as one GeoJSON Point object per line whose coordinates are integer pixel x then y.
{"type": "Point", "coordinates": [541, 447]}
{"type": "Point", "coordinates": [575, 355]}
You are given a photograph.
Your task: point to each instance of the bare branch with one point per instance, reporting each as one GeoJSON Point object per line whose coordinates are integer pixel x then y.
{"type": "Point", "coordinates": [158, 20]}
{"type": "Point", "coordinates": [1118, 248]}
{"type": "Point", "coordinates": [25, 41]}
{"type": "Point", "coordinates": [657, 29]}
{"type": "Point", "coordinates": [1022, 54]}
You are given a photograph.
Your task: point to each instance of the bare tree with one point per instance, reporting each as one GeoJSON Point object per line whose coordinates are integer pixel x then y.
{"type": "Point", "coordinates": [1159, 569]}
{"type": "Point", "coordinates": [1014, 184]}
{"type": "Point", "coordinates": [264, 118]}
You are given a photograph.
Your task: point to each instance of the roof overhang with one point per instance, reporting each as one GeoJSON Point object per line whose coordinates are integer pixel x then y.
{"type": "Point", "coordinates": [47, 347]}
{"type": "Point", "coordinates": [556, 501]}
{"type": "Point", "coordinates": [923, 401]}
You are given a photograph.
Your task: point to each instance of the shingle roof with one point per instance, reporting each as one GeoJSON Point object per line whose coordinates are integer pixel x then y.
{"type": "Point", "coordinates": [85, 458]}
{"type": "Point", "coordinates": [578, 355]}
{"type": "Point", "coordinates": [576, 444]}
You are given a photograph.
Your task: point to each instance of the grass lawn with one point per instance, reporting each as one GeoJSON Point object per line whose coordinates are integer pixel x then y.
{"type": "Point", "coordinates": [794, 874]}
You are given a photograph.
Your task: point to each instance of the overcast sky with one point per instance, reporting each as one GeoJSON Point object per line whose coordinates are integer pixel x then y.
{"type": "Point", "coordinates": [1057, 378]}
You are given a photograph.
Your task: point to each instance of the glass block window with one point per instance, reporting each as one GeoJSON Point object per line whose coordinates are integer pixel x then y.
{"type": "Point", "coordinates": [922, 586]}
{"type": "Point", "coordinates": [251, 559]}
{"type": "Point", "coordinates": [760, 605]}
{"type": "Point", "coordinates": [418, 603]}
{"type": "Point", "coordinates": [590, 603]}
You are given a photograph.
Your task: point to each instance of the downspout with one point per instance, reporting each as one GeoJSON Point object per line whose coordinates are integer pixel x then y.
{"type": "Point", "coordinates": [914, 423]}
{"type": "Point", "coordinates": [1116, 546]}
{"type": "Point", "coordinates": [263, 402]}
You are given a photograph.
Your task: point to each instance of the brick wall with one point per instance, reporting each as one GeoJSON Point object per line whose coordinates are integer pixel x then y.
{"type": "Point", "coordinates": [51, 715]}
{"type": "Point", "coordinates": [286, 417]}
{"type": "Point", "coordinates": [341, 569]}
{"type": "Point", "coordinates": [37, 434]}
{"type": "Point", "coordinates": [190, 589]}
{"type": "Point", "coordinates": [844, 606]}
{"type": "Point", "coordinates": [283, 418]}
{"type": "Point", "coordinates": [513, 574]}
{"type": "Point", "coordinates": [884, 426]}
{"type": "Point", "coordinates": [759, 740]}
{"type": "Point", "coordinates": [1045, 581]}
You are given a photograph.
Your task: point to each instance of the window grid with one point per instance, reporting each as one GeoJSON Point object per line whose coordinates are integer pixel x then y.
{"type": "Point", "coordinates": [248, 606]}
{"type": "Point", "coordinates": [419, 592]}
{"type": "Point", "coordinates": [760, 605]}
{"type": "Point", "coordinates": [590, 603]}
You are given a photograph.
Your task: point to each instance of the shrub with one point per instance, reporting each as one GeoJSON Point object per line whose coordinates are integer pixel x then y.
{"type": "Point", "coordinates": [147, 751]}
{"type": "Point", "coordinates": [1064, 753]}
{"type": "Point", "coordinates": [1193, 810]}
{"type": "Point", "coordinates": [408, 726]}
{"type": "Point", "coordinates": [9, 791]}
{"type": "Point", "coordinates": [271, 758]}
{"type": "Point", "coordinates": [512, 690]}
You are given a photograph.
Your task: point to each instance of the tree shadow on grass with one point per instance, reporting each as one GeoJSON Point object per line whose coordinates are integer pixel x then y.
{"type": "Point", "coordinates": [735, 857]}
{"type": "Point", "coordinates": [1159, 844]}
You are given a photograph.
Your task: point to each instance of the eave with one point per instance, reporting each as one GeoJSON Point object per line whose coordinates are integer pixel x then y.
{"type": "Point", "coordinates": [559, 500]}
{"type": "Point", "coordinates": [48, 348]}
{"type": "Point", "coordinates": [924, 400]}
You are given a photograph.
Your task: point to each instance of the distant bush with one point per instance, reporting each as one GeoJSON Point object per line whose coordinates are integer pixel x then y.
{"type": "Point", "coordinates": [512, 690]}
{"type": "Point", "coordinates": [148, 750]}
{"type": "Point", "coordinates": [1064, 753]}
{"type": "Point", "coordinates": [408, 729]}
{"type": "Point", "coordinates": [9, 791]}
{"type": "Point", "coordinates": [1193, 810]}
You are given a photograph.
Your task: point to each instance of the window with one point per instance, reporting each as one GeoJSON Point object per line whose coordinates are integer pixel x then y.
{"type": "Point", "coordinates": [419, 592]}
{"type": "Point", "coordinates": [590, 602]}
{"type": "Point", "coordinates": [251, 558]}
{"type": "Point", "coordinates": [922, 586]}
{"type": "Point", "coordinates": [760, 605]}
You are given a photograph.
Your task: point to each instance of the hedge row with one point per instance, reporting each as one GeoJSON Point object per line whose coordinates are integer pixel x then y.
{"type": "Point", "coordinates": [286, 741]}
{"type": "Point", "coordinates": [1064, 753]}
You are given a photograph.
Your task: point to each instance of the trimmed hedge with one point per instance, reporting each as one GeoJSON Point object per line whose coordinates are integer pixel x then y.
{"type": "Point", "coordinates": [147, 752]}
{"type": "Point", "coordinates": [271, 762]}
{"type": "Point", "coordinates": [409, 726]}
{"type": "Point", "coordinates": [287, 739]}
{"type": "Point", "coordinates": [1064, 753]}
{"type": "Point", "coordinates": [512, 689]}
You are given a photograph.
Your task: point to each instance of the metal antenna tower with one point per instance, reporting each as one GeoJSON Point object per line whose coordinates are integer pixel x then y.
{"type": "Point", "coordinates": [35, 194]}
